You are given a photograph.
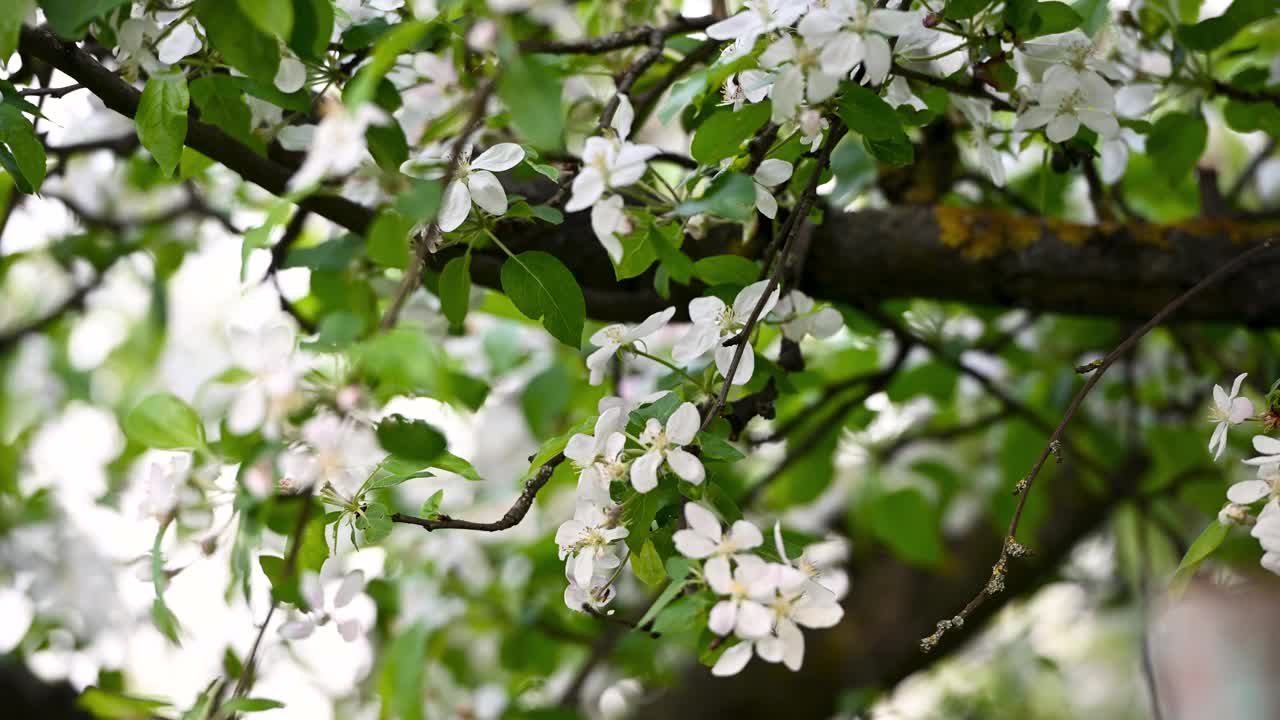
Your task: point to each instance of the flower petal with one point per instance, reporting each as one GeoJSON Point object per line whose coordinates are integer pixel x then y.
{"type": "Point", "coordinates": [683, 424]}
{"type": "Point", "coordinates": [455, 207]}
{"type": "Point", "coordinates": [502, 156]}
{"type": "Point", "coordinates": [733, 659]}
{"type": "Point", "coordinates": [723, 617]}
{"type": "Point", "coordinates": [1248, 492]}
{"type": "Point", "coordinates": [693, 545]}
{"type": "Point", "coordinates": [773, 172]}
{"type": "Point", "coordinates": [644, 471]}
{"type": "Point", "coordinates": [702, 521]}
{"type": "Point", "coordinates": [487, 192]}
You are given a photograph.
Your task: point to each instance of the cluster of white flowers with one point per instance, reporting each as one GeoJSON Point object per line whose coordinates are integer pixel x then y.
{"type": "Point", "coordinates": [589, 541]}
{"type": "Point", "coordinates": [1230, 409]}
{"type": "Point", "coordinates": [610, 162]}
{"type": "Point", "coordinates": [329, 596]}
{"type": "Point", "coordinates": [762, 604]}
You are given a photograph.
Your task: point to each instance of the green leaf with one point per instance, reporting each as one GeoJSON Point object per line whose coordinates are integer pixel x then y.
{"type": "Point", "coordinates": [431, 508]}
{"type": "Point", "coordinates": [284, 585]}
{"type": "Point", "coordinates": [162, 119]}
{"type": "Point", "coordinates": [411, 439]}
{"type": "Point", "coordinates": [112, 705]}
{"type": "Point", "coordinates": [1176, 142]}
{"type": "Point", "coordinates": [397, 40]}
{"type": "Point", "coordinates": [726, 270]}
{"type": "Point", "coordinates": [164, 422]}
{"type": "Point", "coordinates": [21, 152]}
{"type": "Point", "coordinates": [1095, 14]}
{"type": "Point", "coordinates": [241, 43]}
{"type": "Point", "coordinates": [389, 239]}
{"type": "Point", "coordinates": [248, 705]}
{"type": "Point", "coordinates": [731, 195]}
{"type": "Point", "coordinates": [1200, 550]}
{"type": "Point", "coordinates": [897, 151]}
{"type": "Point", "coordinates": [647, 565]}
{"type": "Point", "coordinates": [312, 28]}
{"type": "Point", "coordinates": [1030, 19]}
{"type": "Point", "coordinates": [682, 93]}
{"type": "Point", "coordinates": [388, 145]}
{"type": "Point", "coordinates": [546, 398]}
{"type": "Point", "coordinates": [11, 17]}
{"type": "Point", "coordinates": [166, 622]}
{"type": "Point", "coordinates": [638, 254]}
{"type": "Point", "coordinates": [933, 379]}
{"type": "Point", "coordinates": [531, 88]}
{"type": "Point", "coordinates": [454, 464]}
{"type": "Point", "coordinates": [420, 201]}
{"type": "Point", "coordinates": [403, 672]}
{"type": "Point", "coordinates": [454, 290]}
{"type": "Point", "coordinates": [964, 9]}
{"type": "Point", "coordinates": [669, 254]}
{"type": "Point", "coordinates": [222, 103]}
{"type": "Point", "coordinates": [1212, 33]}
{"type": "Point", "coordinates": [273, 17]}
{"type": "Point", "coordinates": [70, 18]}
{"type": "Point", "coordinates": [680, 616]}
{"type": "Point", "coordinates": [715, 447]}
{"type": "Point", "coordinates": [542, 288]}
{"type": "Point", "coordinates": [909, 524]}
{"type": "Point", "coordinates": [678, 570]}
{"type": "Point", "coordinates": [867, 114]}
{"type": "Point", "coordinates": [722, 134]}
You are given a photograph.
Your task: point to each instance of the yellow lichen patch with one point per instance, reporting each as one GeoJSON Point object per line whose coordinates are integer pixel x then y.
{"type": "Point", "coordinates": [980, 234]}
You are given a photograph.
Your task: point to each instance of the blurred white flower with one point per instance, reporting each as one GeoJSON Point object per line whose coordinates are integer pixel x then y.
{"type": "Point", "coordinates": [771, 173]}
{"type": "Point", "coordinates": [330, 594]}
{"type": "Point", "coordinates": [271, 393]}
{"type": "Point", "coordinates": [338, 452]}
{"type": "Point", "coordinates": [799, 316]}
{"type": "Point", "coordinates": [338, 145]}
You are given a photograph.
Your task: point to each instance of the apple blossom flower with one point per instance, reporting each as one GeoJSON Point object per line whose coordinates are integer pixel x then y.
{"type": "Point", "coordinates": [704, 539]}
{"type": "Point", "coordinates": [748, 86]}
{"type": "Point", "coordinates": [847, 32]}
{"type": "Point", "coordinates": [595, 593]}
{"type": "Point", "coordinates": [1267, 527]}
{"type": "Point", "coordinates": [337, 452]}
{"type": "Point", "coordinates": [715, 322]}
{"type": "Point", "coordinates": [1227, 410]}
{"type": "Point", "coordinates": [291, 75]}
{"type": "Point", "coordinates": [338, 145]}
{"type": "Point", "coordinates": [665, 446]}
{"type": "Point", "coordinates": [271, 393]}
{"type": "Point", "coordinates": [600, 456]}
{"type": "Point", "coordinates": [619, 699]}
{"type": "Point", "coordinates": [1269, 447]}
{"type": "Point", "coordinates": [1068, 101]}
{"type": "Point", "coordinates": [612, 338]}
{"type": "Point", "coordinates": [812, 126]}
{"type": "Point", "coordinates": [799, 77]}
{"type": "Point", "coordinates": [771, 173]}
{"type": "Point", "coordinates": [820, 562]}
{"type": "Point", "coordinates": [609, 162]}
{"type": "Point", "coordinates": [587, 541]}
{"type": "Point", "coordinates": [756, 18]}
{"type": "Point", "coordinates": [1248, 492]}
{"type": "Point", "coordinates": [165, 473]}
{"type": "Point", "coordinates": [608, 221]}
{"type": "Point", "coordinates": [329, 594]}
{"type": "Point", "coordinates": [800, 602]}
{"type": "Point", "coordinates": [474, 181]}
{"type": "Point", "coordinates": [799, 316]}
{"type": "Point", "coordinates": [747, 591]}
{"type": "Point", "coordinates": [978, 114]}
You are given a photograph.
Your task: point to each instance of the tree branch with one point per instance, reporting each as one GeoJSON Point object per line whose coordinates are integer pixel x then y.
{"type": "Point", "coordinates": [513, 516]}
{"type": "Point", "coordinates": [624, 39]}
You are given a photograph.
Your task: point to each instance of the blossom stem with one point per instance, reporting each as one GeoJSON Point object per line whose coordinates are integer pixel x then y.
{"type": "Point", "coordinates": [669, 365]}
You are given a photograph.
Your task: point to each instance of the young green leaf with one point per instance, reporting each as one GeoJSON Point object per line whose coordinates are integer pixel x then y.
{"type": "Point", "coordinates": [454, 290]}
{"type": "Point", "coordinates": [164, 422]}
{"type": "Point", "coordinates": [410, 439]}
{"type": "Point", "coordinates": [245, 47]}
{"type": "Point", "coordinates": [162, 118]}
{"type": "Point", "coordinates": [867, 114]}
{"type": "Point", "coordinates": [531, 88]}
{"type": "Point", "coordinates": [647, 565]}
{"type": "Point", "coordinates": [70, 18]}
{"type": "Point", "coordinates": [722, 134]}
{"type": "Point", "coordinates": [273, 17]}
{"type": "Point", "coordinates": [543, 289]}
{"type": "Point", "coordinates": [21, 153]}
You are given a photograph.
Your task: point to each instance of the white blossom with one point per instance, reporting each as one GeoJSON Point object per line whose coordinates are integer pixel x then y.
{"type": "Point", "coordinates": [800, 602]}
{"type": "Point", "coordinates": [771, 173]}
{"type": "Point", "coordinates": [799, 77]}
{"type": "Point", "coordinates": [291, 75]}
{"type": "Point", "coordinates": [600, 456]}
{"type": "Point", "coordinates": [587, 542]}
{"type": "Point", "coordinates": [812, 126]}
{"type": "Point", "coordinates": [608, 221]}
{"type": "Point", "coordinates": [271, 393]}
{"type": "Point", "coordinates": [612, 338]}
{"type": "Point", "coordinates": [1227, 410]}
{"type": "Point", "coordinates": [1270, 449]}
{"type": "Point", "coordinates": [748, 86]}
{"type": "Point", "coordinates": [715, 322]}
{"type": "Point", "coordinates": [746, 590]}
{"type": "Point", "coordinates": [330, 594]}
{"type": "Point", "coordinates": [474, 181]}
{"type": "Point", "coordinates": [164, 474]}
{"type": "Point", "coordinates": [704, 539]}
{"type": "Point", "coordinates": [609, 162]}
{"type": "Point", "coordinates": [847, 32]}
{"type": "Point", "coordinates": [338, 145]}
{"type": "Point", "coordinates": [757, 18]}
{"type": "Point", "coordinates": [595, 593]}
{"type": "Point", "coordinates": [618, 701]}
{"type": "Point", "coordinates": [335, 451]}
{"type": "Point", "coordinates": [799, 316]}
{"type": "Point", "coordinates": [1066, 101]}
{"type": "Point", "coordinates": [665, 445]}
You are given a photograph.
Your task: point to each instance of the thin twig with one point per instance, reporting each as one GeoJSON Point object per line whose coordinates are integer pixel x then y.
{"type": "Point", "coordinates": [975, 91]}
{"type": "Point", "coordinates": [790, 230]}
{"type": "Point", "coordinates": [51, 92]}
{"type": "Point", "coordinates": [1249, 172]}
{"type": "Point", "coordinates": [423, 242]}
{"type": "Point", "coordinates": [624, 39]}
{"type": "Point", "coordinates": [510, 519]}
{"type": "Point", "coordinates": [1011, 548]}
